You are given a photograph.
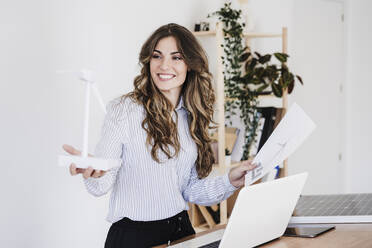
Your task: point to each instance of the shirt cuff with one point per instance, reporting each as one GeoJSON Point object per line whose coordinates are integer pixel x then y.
{"type": "Point", "coordinates": [227, 183]}
{"type": "Point", "coordinates": [90, 182]}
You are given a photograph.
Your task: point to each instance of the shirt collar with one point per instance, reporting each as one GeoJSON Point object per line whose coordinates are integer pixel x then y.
{"type": "Point", "coordinates": [181, 105]}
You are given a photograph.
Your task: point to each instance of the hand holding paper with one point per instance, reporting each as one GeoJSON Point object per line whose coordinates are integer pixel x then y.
{"type": "Point", "coordinates": [291, 132]}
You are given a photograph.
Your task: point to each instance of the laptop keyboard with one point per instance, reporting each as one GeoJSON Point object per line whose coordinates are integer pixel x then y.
{"type": "Point", "coordinates": [212, 245]}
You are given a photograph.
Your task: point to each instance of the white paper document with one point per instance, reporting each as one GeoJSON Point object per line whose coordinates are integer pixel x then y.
{"type": "Point", "coordinates": [290, 133]}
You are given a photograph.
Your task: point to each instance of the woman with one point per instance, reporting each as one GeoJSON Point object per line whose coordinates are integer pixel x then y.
{"type": "Point", "coordinates": [160, 131]}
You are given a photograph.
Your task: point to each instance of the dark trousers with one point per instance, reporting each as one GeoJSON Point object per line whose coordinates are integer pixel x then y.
{"type": "Point", "coordinates": [138, 234]}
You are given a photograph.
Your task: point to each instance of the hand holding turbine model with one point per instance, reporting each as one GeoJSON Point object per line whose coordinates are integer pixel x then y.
{"type": "Point", "coordinates": [83, 160]}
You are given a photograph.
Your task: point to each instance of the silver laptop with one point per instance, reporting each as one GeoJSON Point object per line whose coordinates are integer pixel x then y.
{"type": "Point", "coordinates": [261, 214]}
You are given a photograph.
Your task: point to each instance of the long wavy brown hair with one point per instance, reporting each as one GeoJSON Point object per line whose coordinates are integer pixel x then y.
{"type": "Point", "coordinates": [197, 92]}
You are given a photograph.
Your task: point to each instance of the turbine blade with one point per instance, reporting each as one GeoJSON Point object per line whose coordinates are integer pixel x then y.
{"type": "Point", "coordinates": [99, 97]}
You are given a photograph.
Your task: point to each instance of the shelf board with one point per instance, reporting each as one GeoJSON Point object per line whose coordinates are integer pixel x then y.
{"type": "Point", "coordinates": [204, 33]}
{"type": "Point", "coordinates": [262, 35]}
{"type": "Point", "coordinates": [248, 35]}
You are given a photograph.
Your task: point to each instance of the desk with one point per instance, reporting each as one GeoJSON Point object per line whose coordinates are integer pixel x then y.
{"type": "Point", "coordinates": [345, 235]}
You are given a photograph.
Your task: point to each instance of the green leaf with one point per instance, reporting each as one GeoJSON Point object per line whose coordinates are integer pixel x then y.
{"type": "Point", "coordinates": [253, 63]}
{"type": "Point", "coordinates": [258, 54]}
{"type": "Point", "coordinates": [256, 81]}
{"type": "Point", "coordinates": [300, 79]}
{"type": "Point", "coordinates": [262, 88]}
{"type": "Point", "coordinates": [236, 79]}
{"type": "Point", "coordinates": [277, 90]}
{"type": "Point", "coordinates": [285, 79]}
{"type": "Point", "coordinates": [284, 68]}
{"type": "Point", "coordinates": [259, 71]}
{"type": "Point", "coordinates": [244, 57]}
{"type": "Point", "coordinates": [246, 49]}
{"type": "Point", "coordinates": [290, 87]}
{"type": "Point", "coordinates": [264, 59]}
{"type": "Point", "coordinates": [247, 80]}
{"type": "Point", "coordinates": [282, 57]}
{"type": "Point", "coordinates": [290, 79]}
{"type": "Point", "coordinates": [246, 66]}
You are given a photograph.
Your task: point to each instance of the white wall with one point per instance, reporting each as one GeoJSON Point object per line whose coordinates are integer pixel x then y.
{"type": "Point", "coordinates": [42, 205]}
{"type": "Point", "coordinates": [359, 40]}
{"type": "Point", "coordinates": [318, 56]}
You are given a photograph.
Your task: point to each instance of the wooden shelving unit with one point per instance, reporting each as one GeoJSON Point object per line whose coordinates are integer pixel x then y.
{"type": "Point", "coordinates": [197, 211]}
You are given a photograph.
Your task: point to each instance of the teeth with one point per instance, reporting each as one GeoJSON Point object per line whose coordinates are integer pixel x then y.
{"type": "Point", "coordinates": [165, 76]}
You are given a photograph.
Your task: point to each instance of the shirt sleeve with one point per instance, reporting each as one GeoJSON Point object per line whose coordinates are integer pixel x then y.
{"type": "Point", "coordinates": [110, 146]}
{"type": "Point", "coordinates": [208, 191]}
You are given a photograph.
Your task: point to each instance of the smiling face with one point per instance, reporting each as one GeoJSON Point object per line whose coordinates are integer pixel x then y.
{"type": "Point", "coordinates": [168, 68]}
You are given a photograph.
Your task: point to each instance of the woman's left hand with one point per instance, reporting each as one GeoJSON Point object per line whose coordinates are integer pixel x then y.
{"type": "Point", "coordinates": [236, 174]}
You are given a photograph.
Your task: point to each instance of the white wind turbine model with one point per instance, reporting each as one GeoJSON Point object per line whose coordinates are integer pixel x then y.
{"type": "Point", "coordinates": [84, 161]}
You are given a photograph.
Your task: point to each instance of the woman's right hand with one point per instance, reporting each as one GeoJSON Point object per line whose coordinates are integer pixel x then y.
{"type": "Point", "coordinates": [88, 172]}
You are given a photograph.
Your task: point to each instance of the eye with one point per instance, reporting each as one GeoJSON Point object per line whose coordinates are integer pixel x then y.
{"type": "Point", "coordinates": [177, 58]}
{"type": "Point", "coordinates": [155, 56]}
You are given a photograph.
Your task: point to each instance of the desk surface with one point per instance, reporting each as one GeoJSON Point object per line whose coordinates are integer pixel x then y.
{"type": "Point", "coordinates": [345, 235]}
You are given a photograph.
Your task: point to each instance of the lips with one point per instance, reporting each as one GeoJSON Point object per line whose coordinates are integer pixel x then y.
{"type": "Point", "coordinates": [165, 76]}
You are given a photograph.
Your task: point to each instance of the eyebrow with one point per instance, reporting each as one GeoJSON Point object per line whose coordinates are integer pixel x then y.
{"type": "Point", "coordinates": [170, 53]}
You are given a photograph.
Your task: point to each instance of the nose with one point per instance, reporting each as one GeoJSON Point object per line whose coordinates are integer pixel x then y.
{"type": "Point", "coordinates": [165, 63]}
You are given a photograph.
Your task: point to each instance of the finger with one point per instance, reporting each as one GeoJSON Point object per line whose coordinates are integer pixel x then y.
{"type": "Point", "coordinates": [97, 173]}
{"type": "Point", "coordinates": [88, 172]}
{"type": "Point", "coordinates": [248, 167]}
{"type": "Point", "coordinates": [71, 150]}
{"type": "Point", "coordinates": [101, 173]}
{"type": "Point", "coordinates": [73, 171]}
{"type": "Point", "coordinates": [80, 170]}
{"type": "Point", "coordinates": [252, 166]}
{"type": "Point", "coordinates": [248, 162]}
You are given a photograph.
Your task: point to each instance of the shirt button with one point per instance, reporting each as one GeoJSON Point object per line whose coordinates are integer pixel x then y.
{"type": "Point", "coordinates": [168, 221]}
{"type": "Point", "coordinates": [179, 218]}
{"type": "Point", "coordinates": [179, 229]}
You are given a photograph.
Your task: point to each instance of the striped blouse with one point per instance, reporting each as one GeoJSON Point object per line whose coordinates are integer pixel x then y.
{"type": "Point", "coordinates": [143, 189]}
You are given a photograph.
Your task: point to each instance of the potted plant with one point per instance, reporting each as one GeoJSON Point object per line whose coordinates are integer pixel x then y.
{"type": "Point", "coordinates": [248, 75]}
